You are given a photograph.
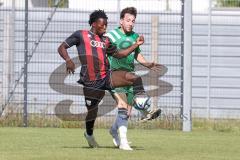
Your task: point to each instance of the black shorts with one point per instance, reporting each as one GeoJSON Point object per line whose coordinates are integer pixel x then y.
{"type": "Point", "coordinates": [100, 84]}
{"type": "Point", "coordinates": [95, 90]}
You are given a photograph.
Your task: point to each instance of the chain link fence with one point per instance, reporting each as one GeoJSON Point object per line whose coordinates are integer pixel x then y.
{"type": "Point", "coordinates": [51, 96]}
{"type": "Point", "coordinates": [216, 44]}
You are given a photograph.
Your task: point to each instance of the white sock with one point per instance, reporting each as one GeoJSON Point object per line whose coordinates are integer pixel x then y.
{"type": "Point", "coordinates": [123, 134]}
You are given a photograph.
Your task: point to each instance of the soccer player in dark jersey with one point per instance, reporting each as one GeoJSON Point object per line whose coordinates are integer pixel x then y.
{"type": "Point", "coordinates": [95, 75]}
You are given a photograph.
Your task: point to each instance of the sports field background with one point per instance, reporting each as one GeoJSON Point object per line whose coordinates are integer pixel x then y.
{"type": "Point", "coordinates": [215, 83]}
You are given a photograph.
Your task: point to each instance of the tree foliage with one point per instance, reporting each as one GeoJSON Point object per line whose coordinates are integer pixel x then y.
{"type": "Point", "coordinates": [62, 3]}
{"type": "Point", "coordinates": [228, 3]}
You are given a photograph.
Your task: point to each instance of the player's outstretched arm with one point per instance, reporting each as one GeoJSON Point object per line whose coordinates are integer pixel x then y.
{"type": "Point", "coordinates": [62, 50]}
{"type": "Point", "coordinates": [125, 52]}
{"type": "Point", "coordinates": [151, 65]}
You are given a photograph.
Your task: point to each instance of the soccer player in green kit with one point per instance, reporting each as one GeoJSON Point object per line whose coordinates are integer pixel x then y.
{"type": "Point", "coordinates": [123, 37]}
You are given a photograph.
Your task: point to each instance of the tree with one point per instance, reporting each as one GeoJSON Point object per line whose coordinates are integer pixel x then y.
{"type": "Point", "coordinates": [228, 3]}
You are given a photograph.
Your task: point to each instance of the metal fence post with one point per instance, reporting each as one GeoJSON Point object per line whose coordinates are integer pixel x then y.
{"type": "Point", "coordinates": [8, 55]}
{"type": "Point", "coordinates": [209, 58]}
{"type": "Point", "coordinates": [118, 12]}
{"type": "Point", "coordinates": [25, 114]}
{"type": "Point", "coordinates": [187, 68]}
{"type": "Point", "coordinates": [154, 51]}
{"type": "Point", "coordinates": [182, 56]}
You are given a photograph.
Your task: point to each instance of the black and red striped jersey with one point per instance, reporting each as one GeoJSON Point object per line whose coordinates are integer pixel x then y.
{"type": "Point", "coordinates": [92, 50]}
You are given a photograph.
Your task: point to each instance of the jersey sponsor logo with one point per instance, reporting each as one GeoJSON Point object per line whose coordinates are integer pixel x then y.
{"type": "Point", "coordinates": [97, 44]}
{"type": "Point", "coordinates": [132, 41]}
{"type": "Point", "coordinates": [125, 44]}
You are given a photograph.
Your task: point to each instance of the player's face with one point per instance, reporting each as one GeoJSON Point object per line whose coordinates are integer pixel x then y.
{"type": "Point", "coordinates": [127, 22]}
{"type": "Point", "coordinates": [100, 26]}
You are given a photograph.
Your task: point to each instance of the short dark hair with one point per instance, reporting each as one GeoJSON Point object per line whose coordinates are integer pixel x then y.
{"type": "Point", "coordinates": [130, 10]}
{"type": "Point", "coordinates": [94, 16]}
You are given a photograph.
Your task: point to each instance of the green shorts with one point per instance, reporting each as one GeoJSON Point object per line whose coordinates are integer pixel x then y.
{"type": "Point", "coordinates": [128, 90]}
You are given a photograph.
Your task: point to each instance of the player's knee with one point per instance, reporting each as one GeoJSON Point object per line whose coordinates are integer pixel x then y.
{"type": "Point", "coordinates": [123, 115]}
{"type": "Point", "coordinates": [92, 107]}
{"type": "Point", "coordinates": [90, 102]}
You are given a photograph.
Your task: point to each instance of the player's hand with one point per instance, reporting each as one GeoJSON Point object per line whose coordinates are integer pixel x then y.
{"type": "Point", "coordinates": [155, 67]}
{"type": "Point", "coordinates": [70, 66]}
{"type": "Point", "coordinates": [129, 111]}
{"type": "Point", "coordinates": [140, 40]}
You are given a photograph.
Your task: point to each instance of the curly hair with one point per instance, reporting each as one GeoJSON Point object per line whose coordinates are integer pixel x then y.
{"type": "Point", "coordinates": [94, 16]}
{"type": "Point", "coordinates": [130, 10]}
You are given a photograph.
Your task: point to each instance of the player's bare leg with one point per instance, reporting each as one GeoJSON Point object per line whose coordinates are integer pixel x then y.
{"type": "Point", "coordinates": [123, 78]}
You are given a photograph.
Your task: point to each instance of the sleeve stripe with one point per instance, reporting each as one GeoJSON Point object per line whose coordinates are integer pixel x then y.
{"type": "Point", "coordinates": [66, 43]}
{"type": "Point", "coordinates": [116, 34]}
{"type": "Point", "coordinates": [111, 37]}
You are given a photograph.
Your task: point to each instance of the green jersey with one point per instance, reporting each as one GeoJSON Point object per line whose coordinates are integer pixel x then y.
{"type": "Point", "coordinates": [122, 41]}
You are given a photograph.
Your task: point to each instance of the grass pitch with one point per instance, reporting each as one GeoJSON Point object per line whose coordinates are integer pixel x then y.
{"type": "Point", "coordinates": [154, 144]}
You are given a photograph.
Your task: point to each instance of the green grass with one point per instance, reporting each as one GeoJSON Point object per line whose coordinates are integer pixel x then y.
{"type": "Point", "coordinates": [151, 144]}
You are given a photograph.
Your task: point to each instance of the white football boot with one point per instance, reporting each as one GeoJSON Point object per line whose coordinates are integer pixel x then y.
{"type": "Point", "coordinates": [153, 114]}
{"type": "Point", "coordinates": [91, 141]}
{"type": "Point", "coordinates": [124, 144]}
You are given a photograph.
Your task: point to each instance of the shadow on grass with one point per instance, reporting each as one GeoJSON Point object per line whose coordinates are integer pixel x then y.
{"type": "Point", "coordinates": [106, 147]}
